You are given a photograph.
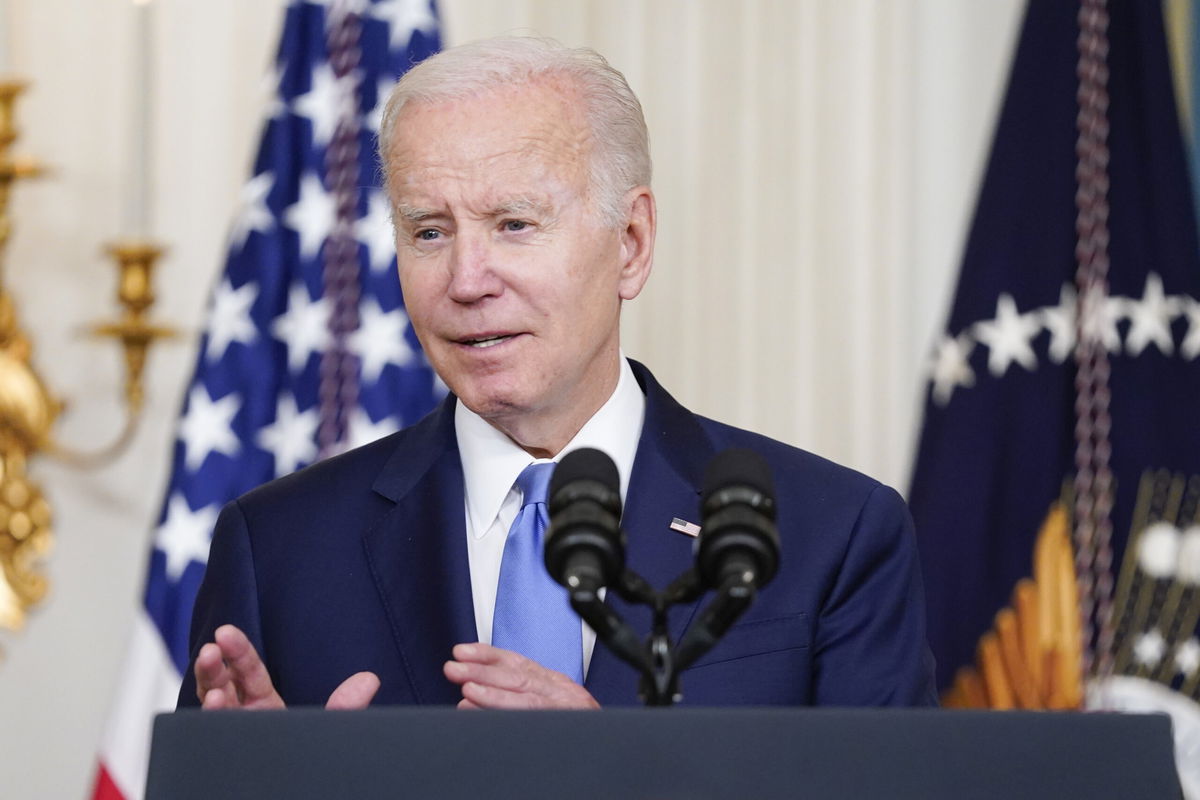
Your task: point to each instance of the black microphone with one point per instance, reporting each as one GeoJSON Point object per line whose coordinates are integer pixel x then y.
{"type": "Point", "coordinates": [585, 546]}
{"type": "Point", "coordinates": [738, 538]}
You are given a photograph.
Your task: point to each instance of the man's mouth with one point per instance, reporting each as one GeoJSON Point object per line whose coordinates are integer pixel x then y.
{"type": "Point", "coordinates": [487, 341]}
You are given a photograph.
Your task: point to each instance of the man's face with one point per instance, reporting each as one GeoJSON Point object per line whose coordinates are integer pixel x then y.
{"type": "Point", "coordinates": [512, 283]}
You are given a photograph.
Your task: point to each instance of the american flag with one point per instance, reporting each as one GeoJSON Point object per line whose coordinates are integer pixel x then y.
{"type": "Point", "coordinates": [306, 348]}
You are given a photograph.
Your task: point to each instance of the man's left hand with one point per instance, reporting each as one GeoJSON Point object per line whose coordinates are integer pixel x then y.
{"type": "Point", "coordinates": [501, 679]}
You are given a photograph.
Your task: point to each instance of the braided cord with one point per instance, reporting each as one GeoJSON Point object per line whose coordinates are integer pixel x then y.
{"type": "Point", "coordinates": [338, 391]}
{"type": "Point", "coordinates": [1093, 485]}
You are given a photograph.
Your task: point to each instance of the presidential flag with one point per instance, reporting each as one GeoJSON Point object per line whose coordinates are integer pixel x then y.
{"type": "Point", "coordinates": [306, 348]}
{"type": "Point", "coordinates": [1057, 483]}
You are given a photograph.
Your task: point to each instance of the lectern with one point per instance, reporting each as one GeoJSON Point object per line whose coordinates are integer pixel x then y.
{"type": "Point", "coordinates": [661, 754]}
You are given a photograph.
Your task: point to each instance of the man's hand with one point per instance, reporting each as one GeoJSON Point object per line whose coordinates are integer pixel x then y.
{"type": "Point", "coordinates": [495, 678]}
{"type": "Point", "coordinates": [230, 674]}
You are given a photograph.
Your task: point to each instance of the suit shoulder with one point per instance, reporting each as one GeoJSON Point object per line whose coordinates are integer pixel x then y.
{"type": "Point", "coordinates": [822, 480]}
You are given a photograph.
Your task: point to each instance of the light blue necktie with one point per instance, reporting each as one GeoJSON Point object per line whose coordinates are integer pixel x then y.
{"type": "Point", "coordinates": [533, 614]}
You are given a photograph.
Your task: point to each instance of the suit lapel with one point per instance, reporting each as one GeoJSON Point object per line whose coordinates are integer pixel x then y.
{"type": "Point", "coordinates": [418, 554]}
{"type": "Point", "coordinates": [665, 483]}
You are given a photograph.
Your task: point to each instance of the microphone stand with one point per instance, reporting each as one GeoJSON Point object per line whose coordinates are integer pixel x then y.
{"type": "Point", "coordinates": [658, 659]}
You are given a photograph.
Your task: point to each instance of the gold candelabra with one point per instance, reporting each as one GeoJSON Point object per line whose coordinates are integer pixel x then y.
{"type": "Point", "coordinates": [28, 409]}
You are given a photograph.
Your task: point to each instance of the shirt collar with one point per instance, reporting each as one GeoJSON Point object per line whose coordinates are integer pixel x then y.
{"type": "Point", "coordinates": [491, 461]}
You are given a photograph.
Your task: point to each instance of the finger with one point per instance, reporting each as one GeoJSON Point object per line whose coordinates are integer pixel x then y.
{"type": "Point", "coordinates": [354, 693]}
{"type": "Point", "coordinates": [210, 669]}
{"type": "Point", "coordinates": [249, 673]}
{"type": "Point", "coordinates": [480, 653]}
{"type": "Point", "coordinates": [572, 696]}
{"type": "Point", "coordinates": [467, 705]}
{"type": "Point", "coordinates": [217, 699]}
{"type": "Point", "coordinates": [525, 676]}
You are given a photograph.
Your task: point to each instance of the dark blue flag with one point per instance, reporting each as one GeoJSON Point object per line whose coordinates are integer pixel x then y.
{"type": "Point", "coordinates": [306, 349]}
{"type": "Point", "coordinates": [1034, 400]}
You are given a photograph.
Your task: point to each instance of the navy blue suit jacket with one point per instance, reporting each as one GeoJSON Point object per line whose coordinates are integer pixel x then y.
{"type": "Point", "coordinates": [360, 563]}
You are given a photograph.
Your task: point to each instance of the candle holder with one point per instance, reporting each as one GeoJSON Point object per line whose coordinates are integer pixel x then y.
{"type": "Point", "coordinates": [28, 409]}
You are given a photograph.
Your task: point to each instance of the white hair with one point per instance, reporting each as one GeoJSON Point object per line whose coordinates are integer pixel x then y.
{"type": "Point", "coordinates": [620, 156]}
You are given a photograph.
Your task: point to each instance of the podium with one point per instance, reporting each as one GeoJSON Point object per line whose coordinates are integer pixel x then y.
{"type": "Point", "coordinates": [661, 754]}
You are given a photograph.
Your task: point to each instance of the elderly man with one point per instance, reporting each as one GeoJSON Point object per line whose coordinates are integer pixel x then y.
{"type": "Point", "coordinates": [519, 175]}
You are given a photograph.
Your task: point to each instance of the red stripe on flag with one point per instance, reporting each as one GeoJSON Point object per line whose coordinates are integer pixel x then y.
{"type": "Point", "coordinates": [105, 789]}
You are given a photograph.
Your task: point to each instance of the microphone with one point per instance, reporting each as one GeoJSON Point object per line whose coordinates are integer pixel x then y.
{"type": "Point", "coordinates": [738, 539]}
{"type": "Point", "coordinates": [585, 546]}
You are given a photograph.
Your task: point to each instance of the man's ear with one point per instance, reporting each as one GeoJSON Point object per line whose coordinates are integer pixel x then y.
{"type": "Point", "coordinates": [637, 241]}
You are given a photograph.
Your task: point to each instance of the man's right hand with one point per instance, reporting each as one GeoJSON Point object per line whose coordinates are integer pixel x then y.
{"type": "Point", "coordinates": [230, 674]}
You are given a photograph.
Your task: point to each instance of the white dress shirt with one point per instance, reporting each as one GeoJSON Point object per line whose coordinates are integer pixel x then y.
{"type": "Point", "coordinates": [491, 463]}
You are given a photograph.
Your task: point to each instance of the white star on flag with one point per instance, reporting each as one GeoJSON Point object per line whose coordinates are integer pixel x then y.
{"type": "Point", "coordinates": [322, 104]}
{"type": "Point", "coordinates": [252, 213]}
{"type": "Point", "coordinates": [1008, 336]}
{"type": "Point", "coordinates": [383, 90]}
{"type": "Point", "coordinates": [272, 101]}
{"type": "Point", "coordinates": [379, 340]}
{"type": "Point", "coordinates": [404, 18]}
{"type": "Point", "coordinates": [291, 437]}
{"type": "Point", "coordinates": [229, 318]}
{"type": "Point", "coordinates": [1191, 342]}
{"type": "Point", "coordinates": [364, 431]}
{"type": "Point", "coordinates": [208, 427]}
{"type": "Point", "coordinates": [375, 231]}
{"type": "Point", "coordinates": [1060, 321]}
{"type": "Point", "coordinates": [1149, 648]}
{"type": "Point", "coordinates": [950, 368]}
{"type": "Point", "coordinates": [1187, 657]}
{"type": "Point", "coordinates": [303, 327]}
{"type": "Point", "coordinates": [1101, 318]}
{"type": "Point", "coordinates": [311, 216]}
{"type": "Point", "coordinates": [184, 535]}
{"type": "Point", "coordinates": [1151, 319]}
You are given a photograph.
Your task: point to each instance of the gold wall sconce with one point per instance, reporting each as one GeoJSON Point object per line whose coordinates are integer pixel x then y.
{"type": "Point", "coordinates": [28, 409]}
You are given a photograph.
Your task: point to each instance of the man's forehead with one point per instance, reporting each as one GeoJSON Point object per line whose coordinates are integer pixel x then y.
{"type": "Point", "coordinates": [414, 207]}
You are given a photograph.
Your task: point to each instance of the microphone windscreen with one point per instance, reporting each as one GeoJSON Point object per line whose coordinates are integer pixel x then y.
{"type": "Point", "coordinates": [737, 466]}
{"type": "Point", "coordinates": [586, 463]}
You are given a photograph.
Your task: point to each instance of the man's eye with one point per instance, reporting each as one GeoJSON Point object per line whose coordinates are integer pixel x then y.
{"type": "Point", "coordinates": [427, 235]}
{"type": "Point", "coordinates": [515, 225]}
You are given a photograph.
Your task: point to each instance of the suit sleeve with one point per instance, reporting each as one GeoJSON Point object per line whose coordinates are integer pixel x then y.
{"type": "Point", "coordinates": [869, 645]}
{"type": "Point", "coordinates": [228, 594]}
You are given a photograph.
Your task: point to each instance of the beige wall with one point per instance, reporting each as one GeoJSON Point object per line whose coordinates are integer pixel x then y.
{"type": "Point", "coordinates": [815, 167]}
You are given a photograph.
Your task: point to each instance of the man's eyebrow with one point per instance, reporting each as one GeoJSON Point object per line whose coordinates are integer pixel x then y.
{"type": "Point", "coordinates": [406, 213]}
{"type": "Point", "coordinates": [521, 205]}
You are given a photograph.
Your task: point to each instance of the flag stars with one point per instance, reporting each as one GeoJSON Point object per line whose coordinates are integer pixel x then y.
{"type": "Point", "coordinates": [291, 438]}
{"type": "Point", "coordinates": [1100, 314]}
{"type": "Point", "coordinates": [303, 327]}
{"type": "Point", "coordinates": [1187, 657]}
{"type": "Point", "coordinates": [950, 368]}
{"type": "Point", "coordinates": [1149, 648]}
{"type": "Point", "coordinates": [253, 214]}
{"type": "Point", "coordinates": [364, 430]}
{"type": "Point", "coordinates": [1151, 319]}
{"type": "Point", "coordinates": [184, 535]}
{"type": "Point", "coordinates": [376, 233]}
{"type": "Point", "coordinates": [1060, 321]}
{"type": "Point", "coordinates": [229, 318]}
{"type": "Point", "coordinates": [1008, 337]}
{"type": "Point", "coordinates": [1190, 348]}
{"type": "Point", "coordinates": [379, 340]}
{"type": "Point", "coordinates": [323, 103]}
{"type": "Point", "coordinates": [311, 216]}
{"type": "Point", "coordinates": [207, 427]}
{"type": "Point", "coordinates": [404, 18]}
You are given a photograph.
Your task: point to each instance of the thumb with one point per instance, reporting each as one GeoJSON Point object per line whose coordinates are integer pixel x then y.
{"type": "Point", "coordinates": [354, 693]}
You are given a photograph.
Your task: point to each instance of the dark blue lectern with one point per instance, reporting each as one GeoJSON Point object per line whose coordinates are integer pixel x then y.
{"type": "Point", "coordinates": [660, 754]}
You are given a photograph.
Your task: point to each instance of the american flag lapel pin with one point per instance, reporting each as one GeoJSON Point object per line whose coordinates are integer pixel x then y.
{"type": "Point", "coordinates": [685, 527]}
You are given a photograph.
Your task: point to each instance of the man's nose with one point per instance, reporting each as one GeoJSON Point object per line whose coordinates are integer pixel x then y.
{"type": "Point", "coordinates": [473, 273]}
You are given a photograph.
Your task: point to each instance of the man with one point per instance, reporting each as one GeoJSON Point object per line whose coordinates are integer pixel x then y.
{"type": "Point", "coordinates": [519, 174]}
